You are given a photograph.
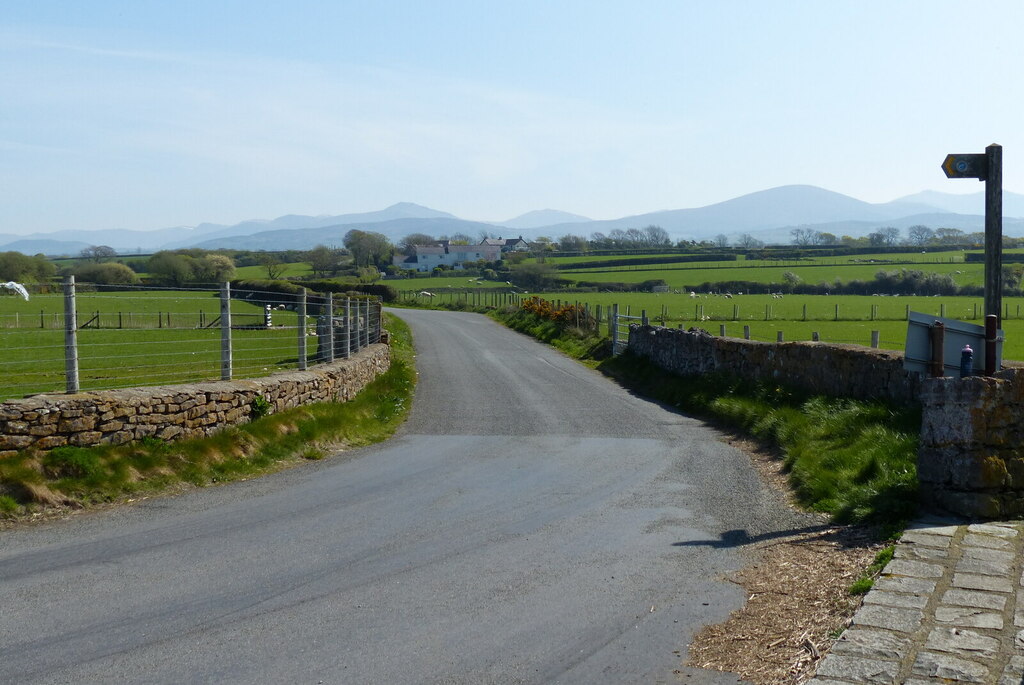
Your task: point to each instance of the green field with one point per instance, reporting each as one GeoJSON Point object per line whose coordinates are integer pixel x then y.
{"type": "Point", "coordinates": [139, 338]}
{"type": "Point", "coordinates": [839, 319]}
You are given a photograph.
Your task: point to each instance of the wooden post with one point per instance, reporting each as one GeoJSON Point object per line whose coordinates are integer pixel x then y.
{"type": "Point", "coordinates": [301, 326]}
{"type": "Point", "coordinates": [994, 232]}
{"type": "Point", "coordinates": [778, 336]}
{"type": "Point", "coordinates": [613, 327]}
{"type": "Point", "coordinates": [721, 330]}
{"type": "Point", "coordinates": [815, 337]}
{"type": "Point", "coordinates": [938, 335]}
{"type": "Point", "coordinates": [991, 326]}
{"type": "Point", "coordinates": [225, 332]}
{"type": "Point", "coordinates": [70, 336]}
{"type": "Point", "coordinates": [874, 339]}
{"type": "Point", "coordinates": [746, 332]}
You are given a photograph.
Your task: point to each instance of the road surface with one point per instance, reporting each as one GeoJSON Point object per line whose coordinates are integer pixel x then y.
{"type": "Point", "coordinates": [531, 523]}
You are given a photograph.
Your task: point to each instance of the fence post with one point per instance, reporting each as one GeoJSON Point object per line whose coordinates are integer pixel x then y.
{"type": "Point", "coordinates": [643, 318]}
{"type": "Point", "coordinates": [613, 326]}
{"type": "Point", "coordinates": [70, 336]}
{"type": "Point", "coordinates": [779, 336]}
{"type": "Point", "coordinates": [746, 332]}
{"type": "Point", "coordinates": [330, 328]}
{"type": "Point", "coordinates": [815, 337]}
{"type": "Point", "coordinates": [348, 327]}
{"type": "Point", "coordinates": [301, 326]}
{"type": "Point", "coordinates": [366, 324]}
{"type": "Point", "coordinates": [721, 330]}
{"type": "Point", "coordinates": [225, 332]}
{"type": "Point", "coordinates": [874, 339]}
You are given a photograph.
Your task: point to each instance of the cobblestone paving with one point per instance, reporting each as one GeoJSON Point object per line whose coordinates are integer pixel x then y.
{"type": "Point", "coordinates": [949, 608]}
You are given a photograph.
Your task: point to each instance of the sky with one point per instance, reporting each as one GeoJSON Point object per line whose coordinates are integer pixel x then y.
{"type": "Point", "coordinates": [147, 114]}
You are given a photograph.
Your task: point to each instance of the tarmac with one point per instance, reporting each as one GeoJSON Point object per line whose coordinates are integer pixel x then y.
{"type": "Point", "coordinates": [949, 608]}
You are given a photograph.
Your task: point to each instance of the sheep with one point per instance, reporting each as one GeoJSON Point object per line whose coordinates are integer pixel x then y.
{"type": "Point", "coordinates": [424, 293]}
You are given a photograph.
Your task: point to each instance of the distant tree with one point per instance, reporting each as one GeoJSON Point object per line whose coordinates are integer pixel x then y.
{"type": "Point", "coordinates": [542, 244]}
{"type": "Point", "coordinates": [803, 236]}
{"type": "Point", "coordinates": [324, 261]}
{"type": "Point", "coordinates": [884, 237]}
{"type": "Point", "coordinates": [656, 236]}
{"type": "Point", "coordinates": [572, 243]}
{"type": "Point", "coordinates": [535, 276]}
{"type": "Point", "coordinates": [20, 268]}
{"type": "Point", "coordinates": [791, 280]}
{"type": "Point", "coordinates": [920, 235]}
{"type": "Point", "coordinates": [950, 236]}
{"type": "Point", "coordinates": [747, 241]}
{"type": "Point", "coordinates": [213, 268]}
{"type": "Point", "coordinates": [97, 253]}
{"type": "Point", "coordinates": [721, 240]}
{"type": "Point", "coordinates": [272, 263]}
{"type": "Point", "coordinates": [460, 239]}
{"type": "Point", "coordinates": [827, 239]}
{"type": "Point", "coordinates": [171, 268]}
{"type": "Point", "coordinates": [105, 274]}
{"type": "Point", "coordinates": [368, 248]}
{"type": "Point", "coordinates": [406, 244]}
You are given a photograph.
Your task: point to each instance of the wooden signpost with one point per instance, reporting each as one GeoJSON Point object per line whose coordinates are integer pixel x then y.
{"type": "Point", "coordinates": [987, 167]}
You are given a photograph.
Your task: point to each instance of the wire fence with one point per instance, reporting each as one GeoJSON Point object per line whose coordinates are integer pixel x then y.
{"type": "Point", "coordinates": [88, 339]}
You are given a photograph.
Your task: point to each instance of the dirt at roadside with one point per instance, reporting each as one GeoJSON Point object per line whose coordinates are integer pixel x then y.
{"type": "Point", "coordinates": [797, 598]}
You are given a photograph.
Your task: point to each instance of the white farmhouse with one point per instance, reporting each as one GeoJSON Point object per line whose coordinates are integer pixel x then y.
{"type": "Point", "coordinates": [425, 258]}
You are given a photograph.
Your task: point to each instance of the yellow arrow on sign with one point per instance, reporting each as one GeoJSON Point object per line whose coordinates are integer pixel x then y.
{"type": "Point", "coordinates": [966, 166]}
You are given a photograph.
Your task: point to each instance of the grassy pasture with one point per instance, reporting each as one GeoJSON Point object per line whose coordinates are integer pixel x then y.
{"type": "Point", "coordinates": [689, 275]}
{"type": "Point", "coordinates": [143, 338]}
{"type": "Point", "coordinates": [857, 315]}
{"type": "Point", "coordinates": [910, 257]}
{"type": "Point", "coordinates": [441, 283]}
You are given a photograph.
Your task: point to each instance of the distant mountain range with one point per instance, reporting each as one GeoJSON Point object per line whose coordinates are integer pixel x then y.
{"type": "Point", "coordinates": [768, 215]}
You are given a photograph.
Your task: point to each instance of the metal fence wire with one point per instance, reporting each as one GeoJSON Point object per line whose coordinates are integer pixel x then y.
{"type": "Point", "coordinates": [141, 336]}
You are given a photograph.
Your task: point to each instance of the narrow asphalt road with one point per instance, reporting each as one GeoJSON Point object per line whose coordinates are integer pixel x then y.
{"type": "Point", "coordinates": [531, 523]}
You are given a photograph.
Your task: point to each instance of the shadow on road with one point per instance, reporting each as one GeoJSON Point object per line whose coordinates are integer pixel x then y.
{"type": "Point", "coordinates": [844, 536]}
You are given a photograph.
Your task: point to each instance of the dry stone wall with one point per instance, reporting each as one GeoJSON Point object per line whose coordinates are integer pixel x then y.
{"type": "Point", "coordinates": [971, 456]}
{"type": "Point", "coordinates": [178, 411]}
{"type": "Point", "coordinates": [820, 368]}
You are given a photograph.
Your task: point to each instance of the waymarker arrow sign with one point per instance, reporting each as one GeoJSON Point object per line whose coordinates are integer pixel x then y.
{"type": "Point", "coordinates": [966, 166]}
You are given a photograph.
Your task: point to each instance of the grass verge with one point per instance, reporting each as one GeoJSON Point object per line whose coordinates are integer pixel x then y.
{"type": "Point", "coordinates": [32, 482]}
{"type": "Point", "coordinates": [578, 343]}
